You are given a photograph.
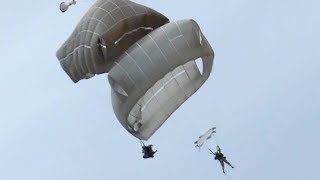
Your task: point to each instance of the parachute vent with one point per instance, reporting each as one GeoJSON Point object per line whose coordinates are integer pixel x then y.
{"type": "Point", "coordinates": [199, 64]}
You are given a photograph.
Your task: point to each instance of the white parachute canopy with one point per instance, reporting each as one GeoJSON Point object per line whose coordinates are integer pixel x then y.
{"type": "Point", "coordinates": [203, 138]}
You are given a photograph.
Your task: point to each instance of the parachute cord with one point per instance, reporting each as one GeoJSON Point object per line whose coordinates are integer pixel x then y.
{"type": "Point", "coordinates": [210, 151]}
{"type": "Point", "coordinates": [141, 143]}
{"type": "Point", "coordinates": [215, 138]}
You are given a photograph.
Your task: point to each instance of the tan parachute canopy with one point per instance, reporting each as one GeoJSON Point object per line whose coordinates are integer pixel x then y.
{"type": "Point", "coordinates": [106, 30]}
{"type": "Point", "coordinates": [151, 62]}
{"type": "Point", "coordinates": [157, 74]}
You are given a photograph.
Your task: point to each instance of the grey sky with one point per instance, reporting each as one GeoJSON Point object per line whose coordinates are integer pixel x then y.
{"type": "Point", "coordinates": [263, 96]}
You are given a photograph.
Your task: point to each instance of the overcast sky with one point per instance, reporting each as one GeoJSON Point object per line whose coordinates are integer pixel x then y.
{"type": "Point", "coordinates": [263, 96]}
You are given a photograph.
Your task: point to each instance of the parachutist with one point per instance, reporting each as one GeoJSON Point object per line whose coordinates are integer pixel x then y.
{"type": "Point", "coordinates": [148, 151]}
{"type": "Point", "coordinates": [221, 158]}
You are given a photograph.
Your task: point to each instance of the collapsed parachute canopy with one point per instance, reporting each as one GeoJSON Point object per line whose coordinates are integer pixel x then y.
{"type": "Point", "coordinates": [151, 63]}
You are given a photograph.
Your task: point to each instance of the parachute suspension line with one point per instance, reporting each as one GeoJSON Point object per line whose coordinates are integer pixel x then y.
{"type": "Point", "coordinates": [215, 138]}
{"type": "Point", "coordinates": [141, 143]}
{"type": "Point", "coordinates": [211, 152]}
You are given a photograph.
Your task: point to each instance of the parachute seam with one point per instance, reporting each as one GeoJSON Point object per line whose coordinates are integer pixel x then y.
{"type": "Point", "coordinates": [187, 45]}
{"type": "Point", "coordinates": [103, 4]}
{"type": "Point", "coordinates": [132, 9]}
{"type": "Point", "coordinates": [98, 21]}
{"type": "Point", "coordinates": [119, 7]}
{"type": "Point", "coordinates": [195, 88]}
{"type": "Point", "coordinates": [106, 12]}
{"type": "Point", "coordinates": [160, 51]}
{"type": "Point", "coordinates": [134, 30]}
{"type": "Point", "coordinates": [164, 84]}
{"type": "Point", "coordinates": [176, 37]}
{"type": "Point", "coordinates": [118, 23]}
{"type": "Point", "coordinates": [80, 32]}
{"type": "Point", "coordinates": [144, 52]}
{"type": "Point", "coordinates": [125, 72]}
{"type": "Point", "coordinates": [138, 66]}
{"type": "Point", "coordinates": [182, 34]}
{"type": "Point", "coordinates": [171, 44]}
{"type": "Point", "coordinates": [164, 89]}
{"type": "Point", "coordinates": [177, 54]}
{"type": "Point", "coordinates": [75, 49]}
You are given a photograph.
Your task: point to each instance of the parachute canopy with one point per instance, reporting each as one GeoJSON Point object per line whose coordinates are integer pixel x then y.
{"type": "Point", "coordinates": [203, 138]}
{"type": "Point", "coordinates": [157, 74]}
{"type": "Point", "coordinates": [107, 29]}
{"type": "Point", "coordinates": [151, 62]}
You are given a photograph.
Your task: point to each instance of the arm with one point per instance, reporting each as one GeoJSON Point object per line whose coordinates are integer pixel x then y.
{"type": "Point", "coordinates": [218, 149]}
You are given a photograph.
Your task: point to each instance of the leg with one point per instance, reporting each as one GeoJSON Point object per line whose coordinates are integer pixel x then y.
{"type": "Point", "coordinates": [228, 163]}
{"type": "Point", "coordinates": [146, 156]}
{"type": "Point", "coordinates": [222, 165]}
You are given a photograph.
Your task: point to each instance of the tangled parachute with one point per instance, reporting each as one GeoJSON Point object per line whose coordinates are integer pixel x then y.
{"type": "Point", "coordinates": [150, 61]}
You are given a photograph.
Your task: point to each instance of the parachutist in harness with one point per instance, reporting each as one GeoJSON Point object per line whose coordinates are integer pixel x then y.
{"type": "Point", "coordinates": [147, 151]}
{"type": "Point", "coordinates": [221, 158]}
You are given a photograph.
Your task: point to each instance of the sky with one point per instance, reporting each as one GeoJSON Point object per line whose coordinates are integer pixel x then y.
{"type": "Point", "coordinates": [263, 96]}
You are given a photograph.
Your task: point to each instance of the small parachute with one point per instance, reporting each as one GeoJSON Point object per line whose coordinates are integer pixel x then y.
{"type": "Point", "coordinates": [203, 138]}
{"type": "Point", "coordinates": [65, 5]}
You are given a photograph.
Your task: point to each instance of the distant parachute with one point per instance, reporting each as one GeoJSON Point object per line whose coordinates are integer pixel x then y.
{"type": "Point", "coordinates": [151, 62]}
{"type": "Point", "coordinates": [203, 138]}
{"type": "Point", "coordinates": [64, 6]}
